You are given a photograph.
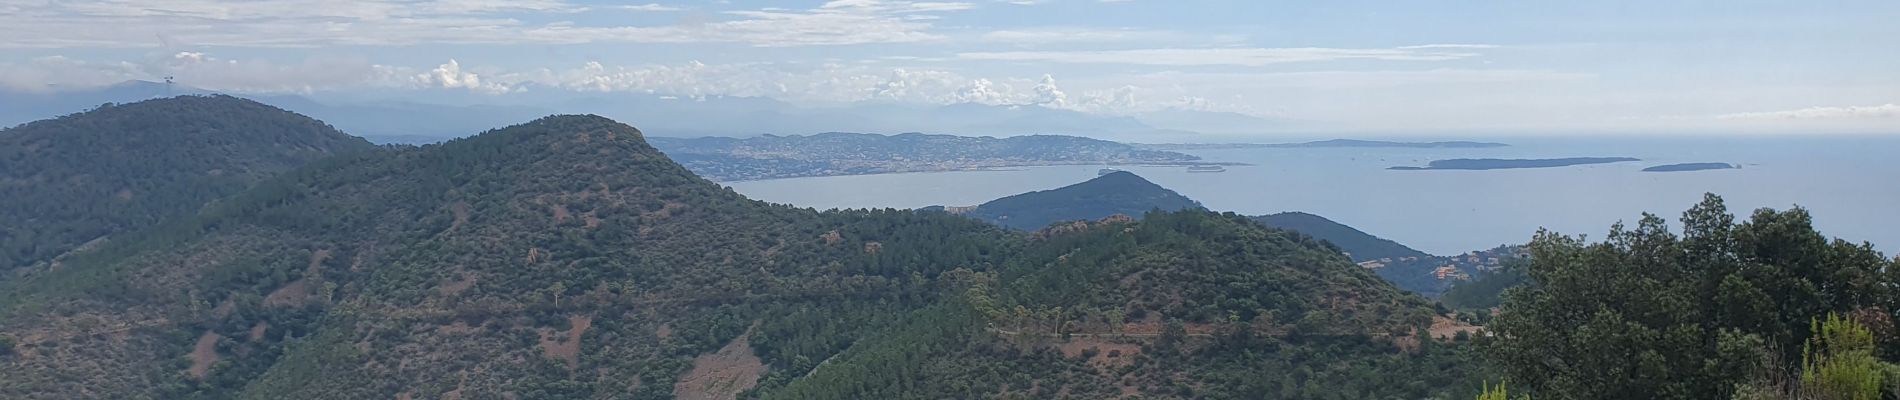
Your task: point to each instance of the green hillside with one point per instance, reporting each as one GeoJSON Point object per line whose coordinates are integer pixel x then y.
{"type": "Point", "coordinates": [565, 258]}
{"type": "Point", "coordinates": [1358, 244]}
{"type": "Point", "coordinates": [117, 168]}
{"type": "Point", "coordinates": [1179, 305]}
{"type": "Point", "coordinates": [1119, 192]}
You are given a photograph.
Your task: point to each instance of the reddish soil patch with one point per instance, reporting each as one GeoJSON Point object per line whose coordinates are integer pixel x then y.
{"type": "Point", "coordinates": [1152, 326]}
{"type": "Point", "coordinates": [566, 347]}
{"type": "Point", "coordinates": [1408, 344]}
{"type": "Point", "coordinates": [873, 247]}
{"type": "Point", "coordinates": [458, 328]}
{"type": "Point", "coordinates": [465, 281]}
{"type": "Point", "coordinates": [203, 355]}
{"type": "Point", "coordinates": [225, 308]}
{"type": "Point", "coordinates": [560, 213]}
{"type": "Point", "coordinates": [664, 331]}
{"type": "Point", "coordinates": [1444, 328]}
{"type": "Point", "coordinates": [460, 211]}
{"type": "Point", "coordinates": [257, 331]}
{"type": "Point", "coordinates": [722, 375]}
{"type": "Point", "coordinates": [292, 294]}
{"type": "Point", "coordinates": [1124, 353]}
{"type": "Point", "coordinates": [667, 210]}
{"type": "Point", "coordinates": [832, 237]}
{"type": "Point", "coordinates": [316, 260]}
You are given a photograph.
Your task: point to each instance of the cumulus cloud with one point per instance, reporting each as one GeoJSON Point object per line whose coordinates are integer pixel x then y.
{"type": "Point", "coordinates": [1221, 56]}
{"type": "Point", "coordinates": [451, 76]}
{"type": "Point", "coordinates": [806, 83]}
{"type": "Point", "coordinates": [980, 91]}
{"type": "Point", "coordinates": [1048, 95]}
{"type": "Point", "coordinates": [1821, 113]}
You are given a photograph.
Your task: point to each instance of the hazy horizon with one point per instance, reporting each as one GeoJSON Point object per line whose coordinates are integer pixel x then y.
{"type": "Point", "coordinates": [1129, 69]}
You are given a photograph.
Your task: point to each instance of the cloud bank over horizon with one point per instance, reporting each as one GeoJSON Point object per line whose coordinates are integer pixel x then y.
{"type": "Point", "coordinates": [1354, 67]}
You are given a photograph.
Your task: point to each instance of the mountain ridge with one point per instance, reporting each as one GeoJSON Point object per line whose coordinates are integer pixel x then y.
{"type": "Point", "coordinates": [565, 257]}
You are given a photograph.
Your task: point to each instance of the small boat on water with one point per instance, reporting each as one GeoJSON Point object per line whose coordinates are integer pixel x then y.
{"type": "Point", "coordinates": [1106, 171]}
{"type": "Point", "coordinates": [1206, 168]}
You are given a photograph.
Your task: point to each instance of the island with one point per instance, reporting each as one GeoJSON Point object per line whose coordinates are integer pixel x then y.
{"type": "Point", "coordinates": [1685, 167]}
{"type": "Point", "coordinates": [1334, 143]}
{"type": "Point", "coordinates": [828, 154]}
{"type": "Point", "coordinates": [1493, 163]}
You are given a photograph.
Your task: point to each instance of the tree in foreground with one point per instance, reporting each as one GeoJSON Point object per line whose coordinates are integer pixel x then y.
{"type": "Point", "coordinates": [1647, 313]}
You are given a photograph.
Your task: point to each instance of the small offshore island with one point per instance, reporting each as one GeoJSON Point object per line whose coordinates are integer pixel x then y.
{"type": "Point", "coordinates": [1685, 167]}
{"type": "Point", "coordinates": [1493, 163]}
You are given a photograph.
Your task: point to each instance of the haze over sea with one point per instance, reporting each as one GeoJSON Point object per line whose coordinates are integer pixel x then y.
{"type": "Point", "coordinates": [1851, 185]}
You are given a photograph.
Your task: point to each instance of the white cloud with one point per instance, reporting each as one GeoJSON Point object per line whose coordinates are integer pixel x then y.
{"type": "Point", "coordinates": [1887, 111]}
{"type": "Point", "coordinates": [308, 23]}
{"type": "Point", "coordinates": [649, 7]}
{"type": "Point", "coordinates": [1048, 95]}
{"type": "Point", "coordinates": [1120, 36]}
{"type": "Point", "coordinates": [451, 76]}
{"type": "Point", "coordinates": [1451, 46]}
{"type": "Point", "coordinates": [1219, 56]}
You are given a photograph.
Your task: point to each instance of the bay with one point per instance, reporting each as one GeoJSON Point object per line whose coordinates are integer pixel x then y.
{"type": "Point", "coordinates": [1851, 185]}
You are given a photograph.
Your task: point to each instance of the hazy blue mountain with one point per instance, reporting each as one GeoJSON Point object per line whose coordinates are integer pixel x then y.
{"type": "Point", "coordinates": [1210, 122]}
{"type": "Point", "coordinates": [837, 153]}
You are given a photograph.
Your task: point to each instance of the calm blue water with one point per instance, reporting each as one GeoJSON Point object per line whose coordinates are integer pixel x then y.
{"type": "Point", "coordinates": [1851, 184]}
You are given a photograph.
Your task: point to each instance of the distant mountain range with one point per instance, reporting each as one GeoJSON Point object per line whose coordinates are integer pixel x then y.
{"type": "Point", "coordinates": [1326, 144]}
{"type": "Point", "coordinates": [424, 118]}
{"type": "Point", "coordinates": [772, 156]}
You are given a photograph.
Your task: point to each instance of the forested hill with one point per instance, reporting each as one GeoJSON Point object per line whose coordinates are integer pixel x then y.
{"type": "Point", "coordinates": [1181, 305]}
{"type": "Point", "coordinates": [1358, 244]}
{"type": "Point", "coordinates": [86, 176]}
{"type": "Point", "coordinates": [835, 153]}
{"type": "Point", "coordinates": [1119, 192]}
{"type": "Point", "coordinates": [565, 258]}
{"type": "Point", "coordinates": [1124, 193]}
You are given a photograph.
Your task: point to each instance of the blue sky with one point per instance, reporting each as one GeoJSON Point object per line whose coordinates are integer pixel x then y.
{"type": "Point", "coordinates": [1367, 66]}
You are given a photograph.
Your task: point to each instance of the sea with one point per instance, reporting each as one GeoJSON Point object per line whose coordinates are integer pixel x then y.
{"type": "Point", "coordinates": [1849, 183]}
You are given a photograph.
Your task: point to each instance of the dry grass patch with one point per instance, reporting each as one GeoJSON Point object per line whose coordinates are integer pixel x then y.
{"type": "Point", "coordinates": [204, 354]}
{"type": "Point", "coordinates": [722, 375]}
{"type": "Point", "coordinates": [567, 347]}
